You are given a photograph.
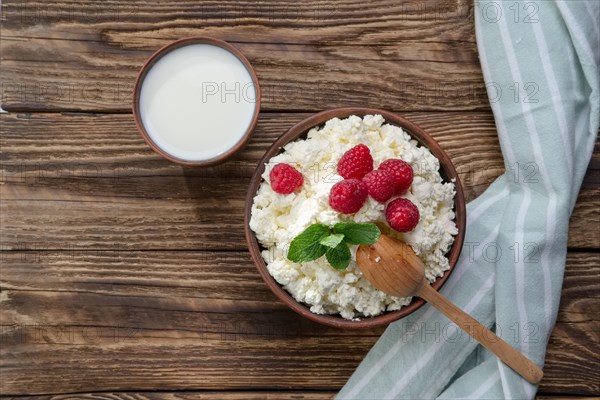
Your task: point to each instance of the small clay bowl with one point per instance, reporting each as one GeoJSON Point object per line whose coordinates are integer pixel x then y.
{"type": "Point", "coordinates": [175, 45]}
{"type": "Point", "coordinates": [447, 171]}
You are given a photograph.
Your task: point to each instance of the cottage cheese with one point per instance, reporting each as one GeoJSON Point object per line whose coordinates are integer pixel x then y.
{"type": "Point", "coordinates": [277, 219]}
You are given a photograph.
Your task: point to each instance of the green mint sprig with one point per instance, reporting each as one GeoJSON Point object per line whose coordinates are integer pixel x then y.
{"type": "Point", "coordinates": [318, 240]}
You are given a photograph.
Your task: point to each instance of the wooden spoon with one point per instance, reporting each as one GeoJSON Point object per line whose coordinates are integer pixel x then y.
{"type": "Point", "coordinates": [393, 267]}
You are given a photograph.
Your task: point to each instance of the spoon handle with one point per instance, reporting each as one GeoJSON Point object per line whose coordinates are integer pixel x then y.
{"type": "Point", "coordinates": [505, 352]}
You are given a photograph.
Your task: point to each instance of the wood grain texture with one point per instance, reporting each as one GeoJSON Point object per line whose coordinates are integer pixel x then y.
{"type": "Point", "coordinates": [99, 168]}
{"type": "Point", "coordinates": [191, 395]}
{"type": "Point", "coordinates": [567, 397]}
{"type": "Point", "coordinates": [208, 395]}
{"type": "Point", "coordinates": [87, 304]}
{"type": "Point", "coordinates": [314, 55]}
{"type": "Point", "coordinates": [90, 321]}
{"type": "Point", "coordinates": [576, 336]}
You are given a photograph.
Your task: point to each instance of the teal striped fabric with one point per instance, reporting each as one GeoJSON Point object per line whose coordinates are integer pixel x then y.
{"type": "Point", "coordinates": [540, 63]}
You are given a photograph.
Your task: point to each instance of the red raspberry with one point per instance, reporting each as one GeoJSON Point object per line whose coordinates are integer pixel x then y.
{"type": "Point", "coordinates": [402, 172]}
{"type": "Point", "coordinates": [285, 178]}
{"type": "Point", "coordinates": [402, 215]}
{"type": "Point", "coordinates": [380, 184]}
{"type": "Point", "coordinates": [348, 196]}
{"type": "Point", "coordinates": [356, 162]}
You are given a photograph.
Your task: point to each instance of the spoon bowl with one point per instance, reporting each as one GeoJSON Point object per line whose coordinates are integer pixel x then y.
{"type": "Point", "coordinates": [392, 267]}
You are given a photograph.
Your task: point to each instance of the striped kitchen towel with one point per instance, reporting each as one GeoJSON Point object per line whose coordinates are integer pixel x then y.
{"type": "Point", "coordinates": [540, 63]}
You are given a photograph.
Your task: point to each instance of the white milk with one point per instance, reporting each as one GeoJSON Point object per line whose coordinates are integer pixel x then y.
{"type": "Point", "coordinates": [197, 101]}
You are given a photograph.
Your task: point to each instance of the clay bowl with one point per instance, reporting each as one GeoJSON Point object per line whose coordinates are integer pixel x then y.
{"type": "Point", "coordinates": [300, 130]}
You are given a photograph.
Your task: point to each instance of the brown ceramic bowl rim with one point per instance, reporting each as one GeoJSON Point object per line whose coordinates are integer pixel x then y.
{"type": "Point", "coordinates": [173, 46]}
{"type": "Point", "coordinates": [447, 171]}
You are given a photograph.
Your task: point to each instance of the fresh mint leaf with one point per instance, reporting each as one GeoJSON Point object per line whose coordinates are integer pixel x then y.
{"type": "Point", "coordinates": [318, 240]}
{"type": "Point", "coordinates": [358, 233]}
{"type": "Point", "coordinates": [306, 246]}
{"type": "Point", "coordinates": [332, 240]}
{"type": "Point", "coordinates": [339, 257]}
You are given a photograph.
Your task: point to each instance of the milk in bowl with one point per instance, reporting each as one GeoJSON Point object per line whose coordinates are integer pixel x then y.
{"type": "Point", "coordinates": [196, 102]}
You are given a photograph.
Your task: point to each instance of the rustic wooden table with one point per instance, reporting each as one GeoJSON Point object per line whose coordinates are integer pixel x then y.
{"type": "Point", "coordinates": [126, 276]}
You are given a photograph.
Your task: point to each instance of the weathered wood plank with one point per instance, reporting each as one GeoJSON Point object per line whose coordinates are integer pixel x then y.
{"type": "Point", "coordinates": [99, 168]}
{"type": "Point", "coordinates": [576, 336]}
{"type": "Point", "coordinates": [567, 397]}
{"type": "Point", "coordinates": [85, 321]}
{"type": "Point", "coordinates": [191, 395]}
{"type": "Point", "coordinates": [223, 395]}
{"type": "Point", "coordinates": [308, 56]}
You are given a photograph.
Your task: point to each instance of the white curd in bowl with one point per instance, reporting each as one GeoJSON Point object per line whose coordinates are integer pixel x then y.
{"type": "Point", "coordinates": [276, 219]}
